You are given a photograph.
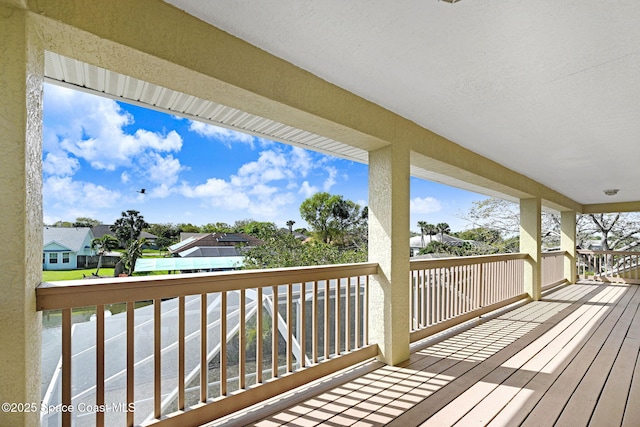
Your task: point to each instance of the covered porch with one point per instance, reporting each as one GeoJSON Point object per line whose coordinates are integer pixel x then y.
{"type": "Point", "coordinates": [150, 52]}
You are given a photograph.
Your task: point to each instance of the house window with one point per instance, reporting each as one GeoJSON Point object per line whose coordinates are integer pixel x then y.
{"type": "Point", "coordinates": [53, 258]}
{"type": "Point", "coordinates": [44, 257]}
{"type": "Point", "coordinates": [65, 258]}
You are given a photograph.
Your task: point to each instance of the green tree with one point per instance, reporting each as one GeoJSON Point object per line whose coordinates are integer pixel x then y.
{"type": "Point", "coordinates": [86, 222]}
{"type": "Point", "coordinates": [188, 228]}
{"type": "Point", "coordinates": [334, 219]}
{"type": "Point", "coordinates": [102, 245]}
{"type": "Point", "coordinates": [163, 243]}
{"type": "Point", "coordinates": [129, 226]}
{"type": "Point", "coordinates": [422, 225]}
{"type": "Point", "coordinates": [131, 255]}
{"type": "Point", "coordinates": [168, 231]}
{"type": "Point", "coordinates": [443, 228]}
{"type": "Point", "coordinates": [259, 229]}
{"type": "Point", "coordinates": [66, 224]}
{"type": "Point", "coordinates": [218, 227]}
{"type": "Point", "coordinates": [284, 250]}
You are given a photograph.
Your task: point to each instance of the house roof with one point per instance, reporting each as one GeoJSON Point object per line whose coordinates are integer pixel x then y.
{"type": "Point", "coordinates": [71, 238]}
{"type": "Point", "coordinates": [216, 240]}
{"type": "Point", "coordinates": [210, 251]}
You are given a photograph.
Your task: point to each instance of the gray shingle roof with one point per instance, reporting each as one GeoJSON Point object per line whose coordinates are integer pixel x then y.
{"type": "Point", "coordinates": [72, 238]}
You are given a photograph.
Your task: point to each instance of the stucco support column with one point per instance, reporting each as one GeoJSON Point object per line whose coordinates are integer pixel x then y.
{"type": "Point", "coordinates": [531, 244]}
{"type": "Point", "coordinates": [568, 244]}
{"type": "Point", "coordinates": [21, 86]}
{"type": "Point", "coordinates": [389, 247]}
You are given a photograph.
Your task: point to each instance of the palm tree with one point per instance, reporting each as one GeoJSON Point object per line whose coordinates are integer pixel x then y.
{"type": "Point", "coordinates": [290, 225]}
{"type": "Point", "coordinates": [133, 252]}
{"type": "Point", "coordinates": [431, 230]}
{"type": "Point", "coordinates": [423, 227]}
{"type": "Point", "coordinates": [442, 228]}
{"type": "Point", "coordinates": [102, 245]}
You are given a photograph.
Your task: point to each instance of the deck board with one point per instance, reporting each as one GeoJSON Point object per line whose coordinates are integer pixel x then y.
{"type": "Point", "coordinates": [570, 359]}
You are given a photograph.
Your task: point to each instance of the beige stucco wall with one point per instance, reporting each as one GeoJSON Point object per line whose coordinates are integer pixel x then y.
{"type": "Point", "coordinates": [531, 244]}
{"type": "Point", "coordinates": [388, 237]}
{"type": "Point", "coordinates": [21, 77]}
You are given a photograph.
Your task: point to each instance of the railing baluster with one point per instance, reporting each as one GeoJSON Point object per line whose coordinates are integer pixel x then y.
{"type": "Point", "coordinates": [337, 318]}
{"type": "Point", "coordinates": [130, 362]}
{"type": "Point", "coordinates": [347, 316]}
{"type": "Point", "coordinates": [204, 364]}
{"type": "Point", "coordinates": [223, 343]}
{"type": "Point", "coordinates": [274, 335]}
{"type": "Point", "coordinates": [326, 319]}
{"type": "Point", "coordinates": [181, 345]}
{"type": "Point", "coordinates": [66, 366]}
{"type": "Point", "coordinates": [358, 314]}
{"type": "Point", "coordinates": [423, 301]}
{"type": "Point", "coordinates": [157, 366]}
{"type": "Point", "coordinates": [242, 341]}
{"type": "Point", "coordinates": [259, 341]}
{"type": "Point", "coordinates": [289, 327]}
{"type": "Point", "coordinates": [302, 324]}
{"type": "Point", "coordinates": [100, 364]}
{"type": "Point", "coordinates": [366, 312]}
{"type": "Point", "coordinates": [314, 322]}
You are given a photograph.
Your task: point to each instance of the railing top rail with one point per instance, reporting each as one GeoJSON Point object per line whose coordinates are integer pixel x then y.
{"type": "Point", "coordinates": [79, 293]}
{"type": "Point", "coordinates": [590, 252]}
{"type": "Point", "coordinates": [458, 261]}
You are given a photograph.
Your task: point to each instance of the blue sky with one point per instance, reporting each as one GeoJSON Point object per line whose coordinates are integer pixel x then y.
{"type": "Point", "coordinates": [98, 153]}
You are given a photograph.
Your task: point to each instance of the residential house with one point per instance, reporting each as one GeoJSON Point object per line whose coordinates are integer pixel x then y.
{"type": "Point", "coordinates": [213, 244]}
{"type": "Point", "coordinates": [66, 248]}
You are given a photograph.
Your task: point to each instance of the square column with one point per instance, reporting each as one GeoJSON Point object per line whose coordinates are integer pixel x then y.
{"type": "Point", "coordinates": [531, 244]}
{"type": "Point", "coordinates": [389, 247]}
{"type": "Point", "coordinates": [568, 244]}
{"type": "Point", "coordinates": [21, 87]}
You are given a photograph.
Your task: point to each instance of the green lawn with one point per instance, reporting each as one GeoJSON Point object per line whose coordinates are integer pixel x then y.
{"type": "Point", "coordinates": [52, 276]}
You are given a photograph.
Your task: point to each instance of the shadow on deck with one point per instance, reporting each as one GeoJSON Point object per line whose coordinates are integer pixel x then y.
{"type": "Point", "coordinates": [570, 359]}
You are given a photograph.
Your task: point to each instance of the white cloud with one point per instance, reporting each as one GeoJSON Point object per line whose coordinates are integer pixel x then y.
{"type": "Point", "coordinates": [425, 205]}
{"type": "Point", "coordinates": [93, 128]}
{"type": "Point", "coordinates": [307, 190]}
{"type": "Point", "coordinates": [60, 164]}
{"type": "Point", "coordinates": [331, 179]}
{"type": "Point", "coordinates": [65, 193]}
{"type": "Point", "coordinates": [161, 170]}
{"type": "Point", "coordinates": [124, 177]}
{"type": "Point", "coordinates": [258, 185]}
{"type": "Point", "coordinates": [224, 135]}
{"type": "Point", "coordinates": [301, 161]}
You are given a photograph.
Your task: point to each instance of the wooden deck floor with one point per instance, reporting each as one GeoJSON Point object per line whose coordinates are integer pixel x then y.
{"type": "Point", "coordinates": [569, 360]}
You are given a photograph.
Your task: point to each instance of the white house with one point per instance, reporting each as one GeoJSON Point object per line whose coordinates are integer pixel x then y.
{"type": "Point", "coordinates": [66, 248]}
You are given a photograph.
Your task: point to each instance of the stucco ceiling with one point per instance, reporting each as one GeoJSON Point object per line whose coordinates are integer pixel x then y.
{"type": "Point", "coordinates": [549, 89]}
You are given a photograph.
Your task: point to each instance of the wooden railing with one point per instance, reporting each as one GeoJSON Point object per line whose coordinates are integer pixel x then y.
{"type": "Point", "coordinates": [449, 291]}
{"type": "Point", "coordinates": [553, 268]}
{"type": "Point", "coordinates": [609, 266]}
{"type": "Point", "coordinates": [257, 333]}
